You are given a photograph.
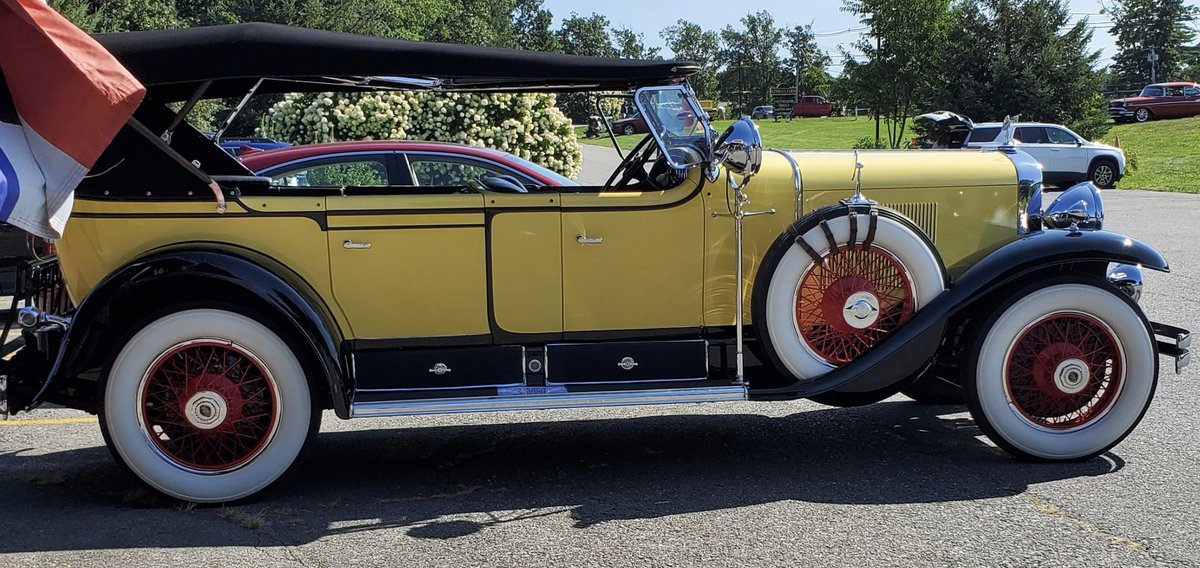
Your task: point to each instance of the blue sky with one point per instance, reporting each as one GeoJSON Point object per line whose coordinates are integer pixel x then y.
{"type": "Point", "coordinates": [833, 26]}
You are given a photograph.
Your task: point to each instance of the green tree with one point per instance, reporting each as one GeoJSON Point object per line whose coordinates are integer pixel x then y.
{"type": "Point", "coordinates": [583, 35]}
{"type": "Point", "coordinates": [532, 27]}
{"type": "Point", "coordinates": [475, 22]}
{"type": "Point", "coordinates": [632, 45]}
{"type": "Point", "coordinates": [751, 60]}
{"type": "Point", "coordinates": [1022, 57]}
{"type": "Point", "coordinates": [120, 15]}
{"type": "Point", "coordinates": [904, 48]}
{"type": "Point", "coordinates": [1145, 27]}
{"type": "Point", "coordinates": [689, 42]}
{"type": "Point", "coordinates": [580, 35]}
{"type": "Point", "coordinates": [806, 61]}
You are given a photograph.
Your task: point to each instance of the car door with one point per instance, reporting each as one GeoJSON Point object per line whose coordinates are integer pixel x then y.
{"type": "Point", "coordinates": [1173, 104]}
{"type": "Point", "coordinates": [1067, 152]}
{"type": "Point", "coordinates": [1192, 95]}
{"type": "Point", "coordinates": [633, 260]}
{"type": "Point", "coordinates": [1036, 143]}
{"type": "Point", "coordinates": [409, 261]}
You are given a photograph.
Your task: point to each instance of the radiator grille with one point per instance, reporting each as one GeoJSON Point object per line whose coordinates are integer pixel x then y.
{"type": "Point", "coordinates": [924, 214]}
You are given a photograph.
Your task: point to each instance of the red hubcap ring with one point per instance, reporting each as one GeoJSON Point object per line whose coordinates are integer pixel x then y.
{"type": "Point", "coordinates": [850, 300]}
{"type": "Point", "coordinates": [208, 405]}
{"type": "Point", "coordinates": [1064, 371]}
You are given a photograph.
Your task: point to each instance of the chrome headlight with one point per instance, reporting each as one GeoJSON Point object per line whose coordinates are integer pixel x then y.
{"type": "Point", "coordinates": [1080, 207]}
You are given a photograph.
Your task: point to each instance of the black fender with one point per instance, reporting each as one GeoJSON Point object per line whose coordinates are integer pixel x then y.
{"type": "Point", "coordinates": [189, 275]}
{"type": "Point", "coordinates": [991, 272]}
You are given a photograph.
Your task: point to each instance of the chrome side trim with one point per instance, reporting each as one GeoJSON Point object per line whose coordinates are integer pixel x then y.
{"type": "Point", "coordinates": [1029, 189]}
{"type": "Point", "coordinates": [548, 401]}
{"type": "Point", "coordinates": [796, 177]}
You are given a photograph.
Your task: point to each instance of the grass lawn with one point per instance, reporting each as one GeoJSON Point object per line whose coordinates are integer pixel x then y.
{"type": "Point", "coordinates": [1167, 154]}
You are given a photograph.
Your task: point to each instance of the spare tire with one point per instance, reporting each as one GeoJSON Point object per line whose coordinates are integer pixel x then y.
{"type": "Point", "coordinates": [836, 283]}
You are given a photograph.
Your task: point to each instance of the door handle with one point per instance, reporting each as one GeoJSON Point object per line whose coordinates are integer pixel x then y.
{"type": "Point", "coordinates": [349, 244]}
{"type": "Point", "coordinates": [585, 240]}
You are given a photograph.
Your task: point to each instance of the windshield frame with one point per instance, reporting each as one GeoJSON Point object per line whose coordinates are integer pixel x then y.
{"type": "Point", "coordinates": [700, 138]}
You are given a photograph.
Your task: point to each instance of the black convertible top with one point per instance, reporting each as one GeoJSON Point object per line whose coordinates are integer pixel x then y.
{"type": "Point", "coordinates": [174, 63]}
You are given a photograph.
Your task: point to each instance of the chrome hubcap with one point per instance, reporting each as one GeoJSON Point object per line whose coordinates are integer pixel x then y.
{"type": "Point", "coordinates": [1071, 376]}
{"type": "Point", "coordinates": [206, 410]}
{"type": "Point", "coordinates": [861, 310]}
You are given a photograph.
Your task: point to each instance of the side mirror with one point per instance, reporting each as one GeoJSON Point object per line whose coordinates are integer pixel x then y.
{"type": "Point", "coordinates": [740, 148]}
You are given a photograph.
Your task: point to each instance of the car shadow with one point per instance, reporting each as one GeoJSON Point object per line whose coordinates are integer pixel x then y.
{"type": "Point", "coordinates": [445, 482]}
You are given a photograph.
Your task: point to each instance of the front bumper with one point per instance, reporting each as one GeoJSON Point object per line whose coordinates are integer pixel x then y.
{"type": "Point", "coordinates": [1174, 342]}
{"type": "Point", "coordinates": [1119, 112]}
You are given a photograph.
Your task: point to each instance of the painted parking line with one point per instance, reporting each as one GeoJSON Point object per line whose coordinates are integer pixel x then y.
{"type": "Point", "coordinates": [48, 421]}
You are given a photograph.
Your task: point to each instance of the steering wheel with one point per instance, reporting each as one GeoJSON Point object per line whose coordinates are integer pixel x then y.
{"type": "Point", "coordinates": [633, 166]}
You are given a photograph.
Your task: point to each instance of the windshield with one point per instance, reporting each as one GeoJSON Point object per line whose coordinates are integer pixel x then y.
{"type": "Point", "coordinates": [677, 123]}
{"type": "Point", "coordinates": [1152, 92]}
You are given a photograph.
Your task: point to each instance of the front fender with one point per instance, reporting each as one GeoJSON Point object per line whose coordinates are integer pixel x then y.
{"type": "Point", "coordinates": [196, 274]}
{"type": "Point", "coordinates": [912, 346]}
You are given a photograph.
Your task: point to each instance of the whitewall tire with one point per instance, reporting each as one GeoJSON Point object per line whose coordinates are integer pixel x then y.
{"type": "Point", "coordinates": [817, 316]}
{"type": "Point", "coordinates": [207, 406]}
{"type": "Point", "coordinates": [1063, 372]}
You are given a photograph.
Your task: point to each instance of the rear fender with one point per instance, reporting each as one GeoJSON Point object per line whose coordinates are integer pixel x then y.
{"type": "Point", "coordinates": [194, 275]}
{"type": "Point", "coordinates": [991, 275]}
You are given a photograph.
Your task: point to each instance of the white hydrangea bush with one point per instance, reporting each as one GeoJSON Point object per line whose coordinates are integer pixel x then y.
{"type": "Point", "coordinates": [529, 125]}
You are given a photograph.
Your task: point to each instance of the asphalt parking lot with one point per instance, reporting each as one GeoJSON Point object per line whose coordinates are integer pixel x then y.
{"type": "Point", "coordinates": [893, 484]}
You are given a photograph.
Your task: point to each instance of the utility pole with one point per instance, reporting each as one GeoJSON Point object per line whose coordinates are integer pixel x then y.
{"type": "Point", "coordinates": [1153, 59]}
{"type": "Point", "coordinates": [878, 48]}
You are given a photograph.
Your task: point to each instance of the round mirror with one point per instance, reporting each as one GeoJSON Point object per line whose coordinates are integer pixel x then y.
{"type": "Point", "coordinates": [740, 147]}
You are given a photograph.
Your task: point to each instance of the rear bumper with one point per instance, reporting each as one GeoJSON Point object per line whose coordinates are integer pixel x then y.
{"type": "Point", "coordinates": [1174, 342]}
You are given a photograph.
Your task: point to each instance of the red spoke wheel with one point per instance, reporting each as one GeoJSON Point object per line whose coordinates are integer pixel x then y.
{"type": "Point", "coordinates": [209, 405]}
{"type": "Point", "coordinates": [852, 299]}
{"type": "Point", "coordinates": [1064, 371]}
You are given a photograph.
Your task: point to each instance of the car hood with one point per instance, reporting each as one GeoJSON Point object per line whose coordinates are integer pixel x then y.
{"type": "Point", "coordinates": [1131, 100]}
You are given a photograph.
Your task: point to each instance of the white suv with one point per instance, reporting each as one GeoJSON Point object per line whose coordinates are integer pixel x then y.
{"type": "Point", "coordinates": [1066, 157]}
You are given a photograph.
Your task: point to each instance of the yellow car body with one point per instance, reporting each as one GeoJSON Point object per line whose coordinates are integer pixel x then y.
{"type": "Point", "coordinates": [437, 264]}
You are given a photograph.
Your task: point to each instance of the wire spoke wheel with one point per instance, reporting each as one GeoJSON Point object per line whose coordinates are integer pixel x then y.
{"type": "Point", "coordinates": [851, 300]}
{"type": "Point", "coordinates": [1064, 371]}
{"type": "Point", "coordinates": [209, 405]}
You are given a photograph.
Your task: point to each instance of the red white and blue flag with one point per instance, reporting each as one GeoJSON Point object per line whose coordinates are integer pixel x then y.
{"type": "Point", "coordinates": [63, 98]}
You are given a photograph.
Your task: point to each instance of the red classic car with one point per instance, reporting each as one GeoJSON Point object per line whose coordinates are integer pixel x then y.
{"type": "Point", "coordinates": [632, 124]}
{"type": "Point", "coordinates": [395, 163]}
{"type": "Point", "coordinates": [1160, 100]}
{"type": "Point", "coordinates": [812, 105]}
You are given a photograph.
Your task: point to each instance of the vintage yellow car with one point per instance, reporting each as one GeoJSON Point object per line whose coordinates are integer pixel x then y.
{"type": "Point", "coordinates": [209, 338]}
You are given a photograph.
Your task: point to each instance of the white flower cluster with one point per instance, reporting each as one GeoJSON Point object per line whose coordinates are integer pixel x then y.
{"type": "Point", "coordinates": [527, 125]}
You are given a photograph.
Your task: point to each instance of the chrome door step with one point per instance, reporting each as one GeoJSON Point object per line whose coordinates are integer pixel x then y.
{"type": "Point", "coordinates": [547, 401]}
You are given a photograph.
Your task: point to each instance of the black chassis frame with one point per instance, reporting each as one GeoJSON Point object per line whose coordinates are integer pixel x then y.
{"type": "Point", "coordinates": [222, 275]}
